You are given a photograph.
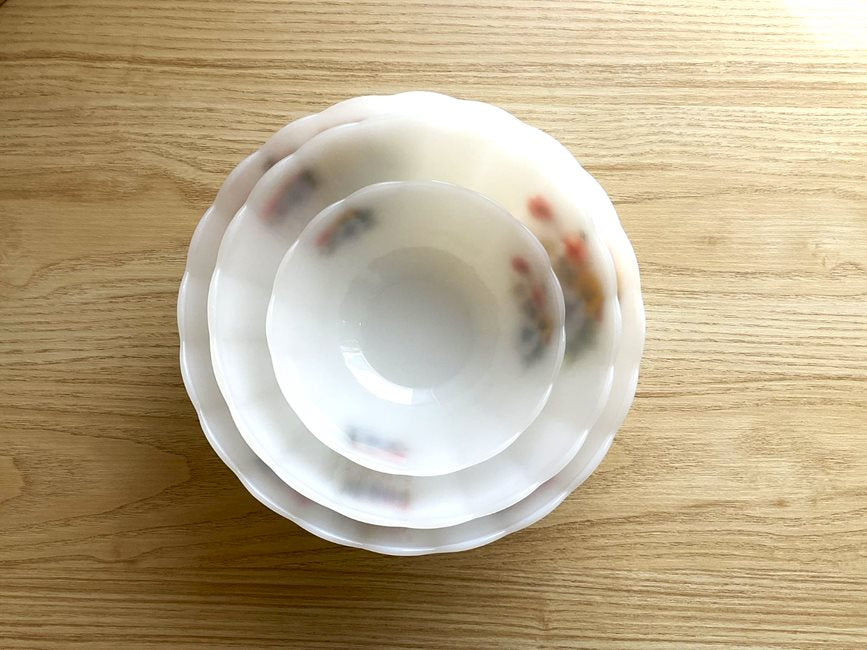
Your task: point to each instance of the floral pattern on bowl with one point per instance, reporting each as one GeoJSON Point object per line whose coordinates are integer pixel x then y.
{"type": "Point", "coordinates": [537, 330]}
{"type": "Point", "coordinates": [347, 226]}
{"type": "Point", "coordinates": [369, 441]}
{"type": "Point", "coordinates": [294, 189]}
{"type": "Point", "coordinates": [583, 292]}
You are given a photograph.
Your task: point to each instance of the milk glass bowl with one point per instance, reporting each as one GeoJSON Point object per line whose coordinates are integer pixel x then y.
{"type": "Point", "coordinates": [531, 177]}
{"type": "Point", "coordinates": [416, 327]}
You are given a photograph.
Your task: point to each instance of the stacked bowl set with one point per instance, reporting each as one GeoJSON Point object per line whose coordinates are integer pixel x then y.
{"type": "Point", "coordinates": [411, 323]}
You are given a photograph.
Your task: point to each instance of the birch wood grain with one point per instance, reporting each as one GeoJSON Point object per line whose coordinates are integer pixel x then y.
{"type": "Point", "coordinates": [732, 509]}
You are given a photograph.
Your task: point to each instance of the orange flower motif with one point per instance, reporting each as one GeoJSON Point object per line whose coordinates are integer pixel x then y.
{"type": "Point", "coordinates": [591, 289]}
{"type": "Point", "coordinates": [576, 247]}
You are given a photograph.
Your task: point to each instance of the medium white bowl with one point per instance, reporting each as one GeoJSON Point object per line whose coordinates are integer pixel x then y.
{"type": "Point", "coordinates": [223, 435]}
{"type": "Point", "coordinates": [517, 166]}
{"type": "Point", "coordinates": [416, 327]}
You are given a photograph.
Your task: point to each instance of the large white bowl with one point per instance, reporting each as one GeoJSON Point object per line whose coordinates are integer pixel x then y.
{"type": "Point", "coordinates": [533, 177]}
{"type": "Point", "coordinates": [223, 435]}
{"type": "Point", "coordinates": [416, 328]}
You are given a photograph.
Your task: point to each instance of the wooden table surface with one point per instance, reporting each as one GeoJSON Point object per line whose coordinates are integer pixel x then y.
{"type": "Point", "coordinates": [732, 508]}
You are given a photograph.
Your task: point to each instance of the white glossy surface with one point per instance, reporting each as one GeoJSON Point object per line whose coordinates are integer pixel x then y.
{"type": "Point", "coordinates": [479, 153]}
{"type": "Point", "coordinates": [416, 327]}
{"type": "Point", "coordinates": [223, 435]}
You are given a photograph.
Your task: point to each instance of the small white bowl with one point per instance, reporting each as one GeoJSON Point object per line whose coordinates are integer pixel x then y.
{"type": "Point", "coordinates": [416, 328]}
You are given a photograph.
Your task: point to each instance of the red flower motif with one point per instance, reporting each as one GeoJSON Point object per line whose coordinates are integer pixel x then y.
{"type": "Point", "coordinates": [576, 248]}
{"type": "Point", "coordinates": [540, 208]}
{"type": "Point", "coordinates": [324, 238]}
{"type": "Point", "coordinates": [520, 265]}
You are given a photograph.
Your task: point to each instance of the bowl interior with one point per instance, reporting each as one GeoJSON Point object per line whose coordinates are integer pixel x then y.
{"type": "Point", "coordinates": [416, 327]}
